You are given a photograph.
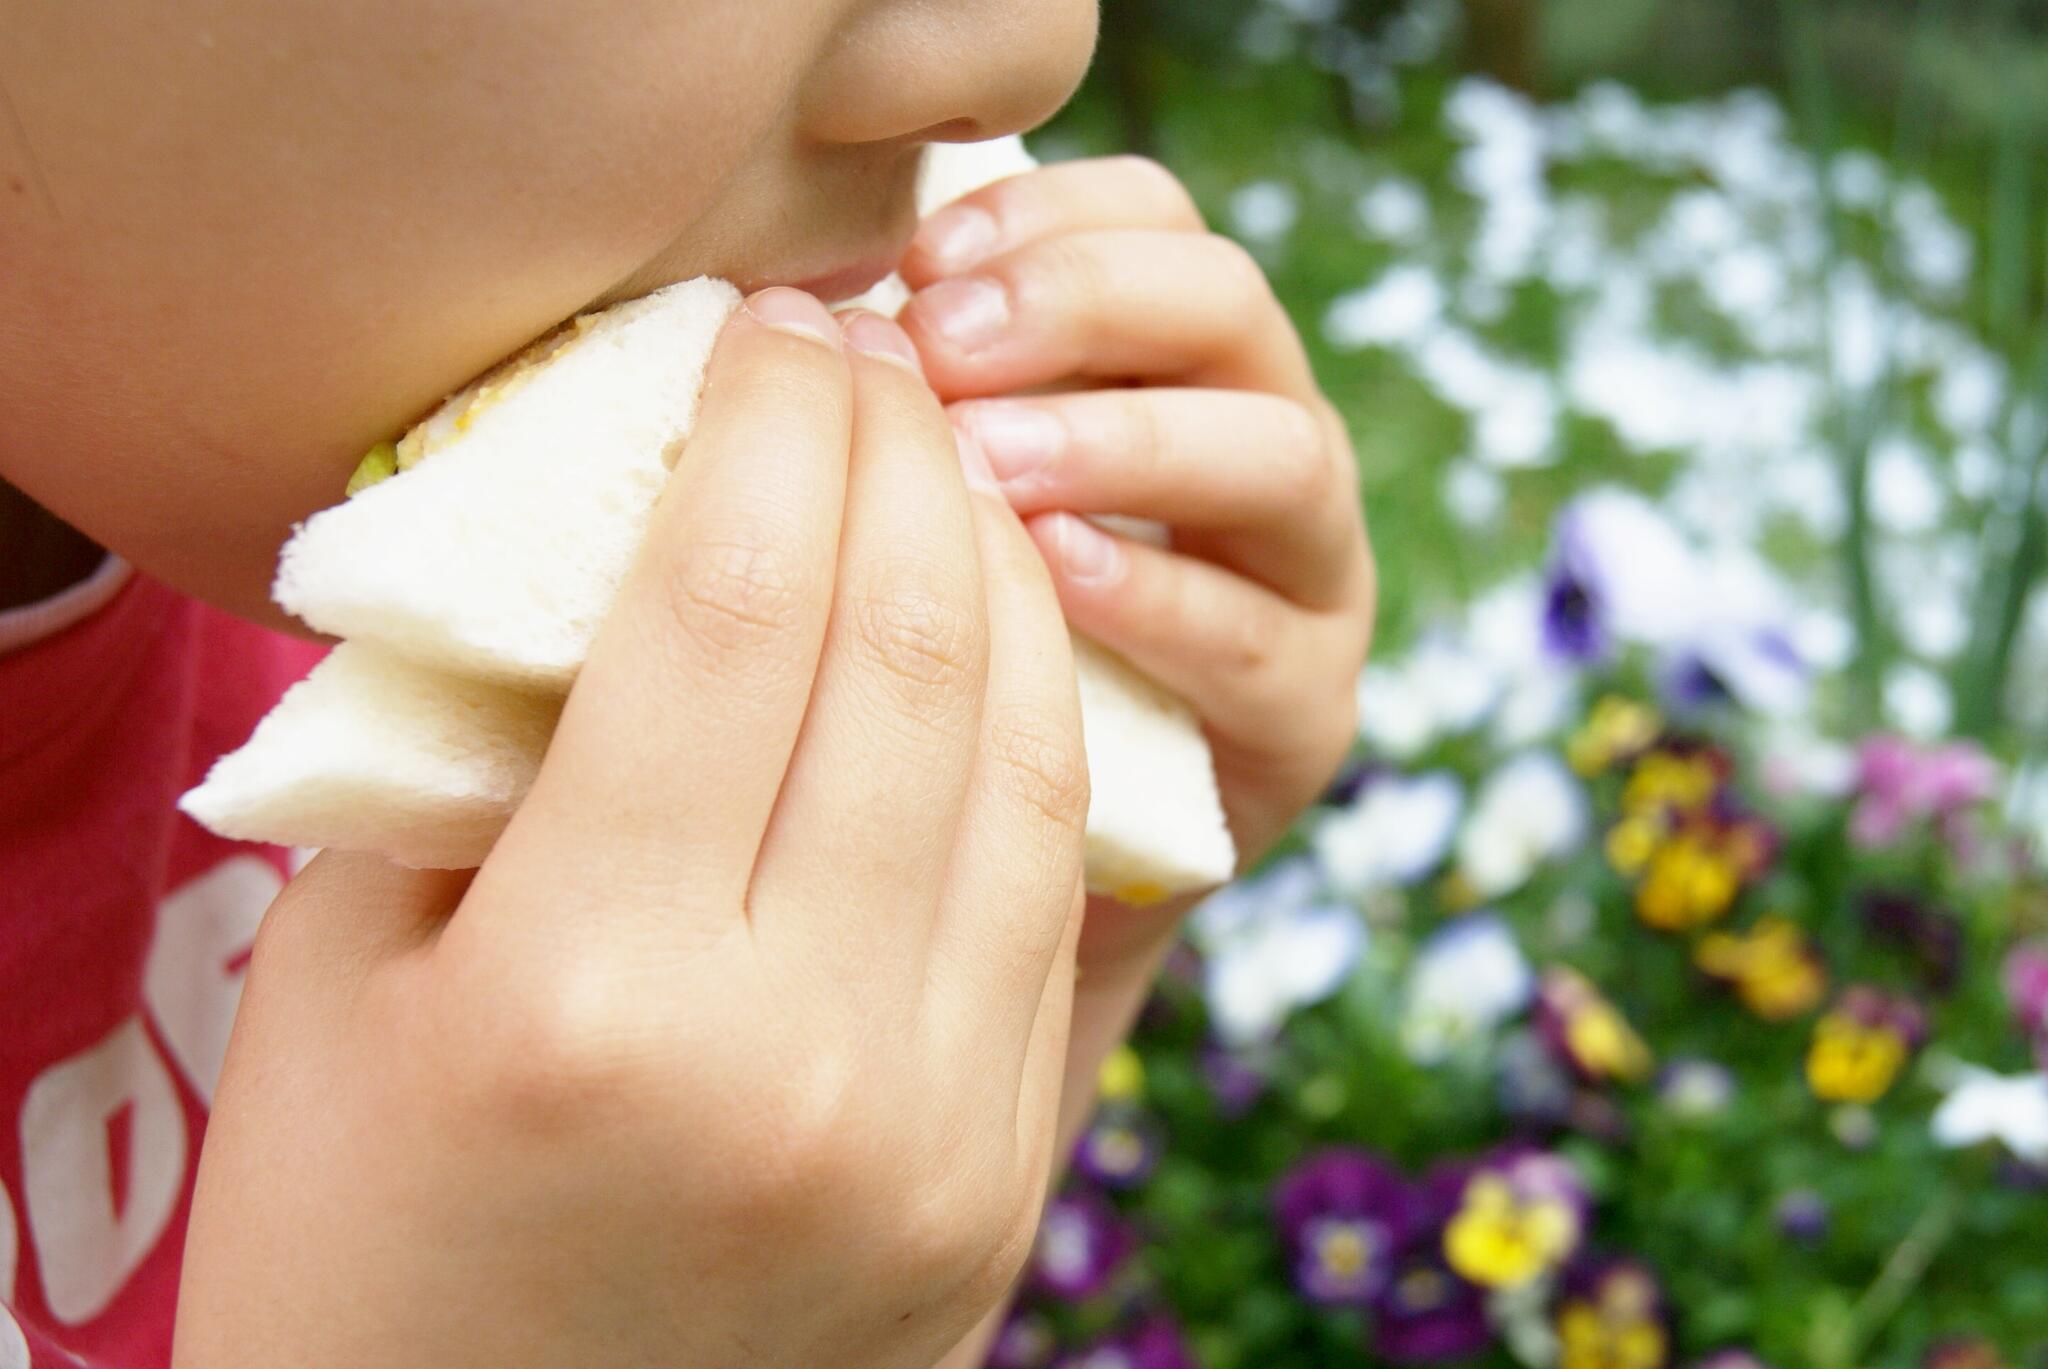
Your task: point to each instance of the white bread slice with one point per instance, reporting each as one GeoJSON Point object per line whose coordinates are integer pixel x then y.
{"type": "Point", "coordinates": [1155, 821]}
{"type": "Point", "coordinates": [370, 752]}
{"type": "Point", "coordinates": [493, 557]}
{"type": "Point", "coordinates": [498, 552]}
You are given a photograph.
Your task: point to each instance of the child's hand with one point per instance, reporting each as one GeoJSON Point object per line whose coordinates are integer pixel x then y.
{"type": "Point", "coordinates": [744, 1046]}
{"type": "Point", "coordinates": [1186, 399]}
{"type": "Point", "coordinates": [1200, 412]}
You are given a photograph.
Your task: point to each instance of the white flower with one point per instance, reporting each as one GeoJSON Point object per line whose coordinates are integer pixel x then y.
{"type": "Point", "coordinates": [1516, 424]}
{"type": "Point", "coordinates": [1440, 689]}
{"type": "Point", "coordinates": [1467, 979]}
{"type": "Point", "coordinates": [1265, 211]}
{"type": "Point", "coordinates": [1270, 948]}
{"type": "Point", "coordinates": [1859, 178]}
{"type": "Point", "coordinates": [1538, 695]}
{"type": "Point", "coordinates": [1857, 327]}
{"type": "Point", "coordinates": [1473, 494]}
{"type": "Point", "coordinates": [1904, 495]}
{"type": "Point", "coordinates": [1970, 390]}
{"type": "Point", "coordinates": [1397, 831]}
{"type": "Point", "coordinates": [1917, 701]}
{"type": "Point", "coordinates": [1724, 611]}
{"type": "Point", "coordinates": [1529, 811]}
{"type": "Point", "coordinates": [1935, 252]}
{"type": "Point", "coordinates": [1394, 210]}
{"type": "Point", "coordinates": [1637, 567]}
{"type": "Point", "coordinates": [1400, 308]}
{"type": "Point", "coordinates": [2012, 1109]}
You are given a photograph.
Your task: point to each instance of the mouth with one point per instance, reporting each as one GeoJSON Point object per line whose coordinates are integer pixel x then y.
{"type": "Point", "coordinates": [846, 282]}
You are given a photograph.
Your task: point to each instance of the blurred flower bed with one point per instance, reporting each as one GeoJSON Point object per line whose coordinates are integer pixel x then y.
{"type": "Point", "coordinates": [1651, 991]}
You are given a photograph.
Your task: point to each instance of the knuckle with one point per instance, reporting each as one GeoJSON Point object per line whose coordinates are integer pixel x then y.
{"type": "Point", "coordinates": [1144, 437]}
{"type": "Point", "coordinates": [807, 1147]}
{"type": "Point", "coordinates": [1043, 765]}
{"type": "Point", "coordinates": [556, 1054]}
{"type": "Point", "coordinates": [1248, 642]}
{"type": "Point", "coordinates": [1160, 186]}
{"type": "Point", "coordinates": [971, 1233]}
{"type": "Point", "coordinates": [1304, 475]}
{"type": "Point", "coordinates": [1069, 268]}
{"type": "Point", "coordinates": [923, 636]}
{"type": "Point", "coordinates": [1239, 275]}
{"type": "Point", "coordinates": [731, 597]}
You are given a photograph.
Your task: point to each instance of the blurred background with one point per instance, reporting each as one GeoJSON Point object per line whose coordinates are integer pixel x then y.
{"type": "Point", "coordinates": [1666, 982]}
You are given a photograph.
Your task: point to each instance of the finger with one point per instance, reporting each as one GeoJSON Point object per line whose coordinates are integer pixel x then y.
{"type": "Point", "coordinates": [1015, 881]}
{"type": "Point", "coordinates": [1045, 1051]}
{"type": "Point", "coordinates": [1167, 308]}
{"type": "Point", "coordinates": [1072, 197]}
{"type": "Point", "coordinates": [669, 755]}
{"type": "Point", "coordinates": [1252, 474]}
{"type": "Point", "coordinates": [882, 766]}
{"type": "Point", "coordinates": [349, 910]}
{"type": "Point", "coordinates": [1234, 650]}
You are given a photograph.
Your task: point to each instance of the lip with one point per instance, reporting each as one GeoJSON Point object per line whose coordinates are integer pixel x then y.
{"type": "Point", "coordinates": [847, 282]}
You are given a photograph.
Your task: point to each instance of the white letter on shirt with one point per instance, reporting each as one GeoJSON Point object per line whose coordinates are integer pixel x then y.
{"type": "Point", "coordinates": [203, 928]}
{"type": "Point", "coordinates": [86, 1248]}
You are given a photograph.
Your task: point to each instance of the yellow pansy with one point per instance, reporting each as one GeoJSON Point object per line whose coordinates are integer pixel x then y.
{"type": "Point", "coordinates": [1500, 1239]}
{"type": "Point", "coordinates": [1773, 968]}
{"type": "Point", "coordinates": [1617, 728]}
{"type": "Point", "coordinates": [1692, 880]}
{"type": "Point", "coordinates": [1122, 1076]}
{"type": "Point", "coordinates": [1632, 841]}
{"type": "Point", "coordinates": [1616, 1327]}
{"type": "Point", "coordinates": [1853, 1062]}
{"type": "Point", "coordinates": [1665, 780]}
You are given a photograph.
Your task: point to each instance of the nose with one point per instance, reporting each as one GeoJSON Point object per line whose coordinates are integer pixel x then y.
{"type": "Point", "coordinates": [960, 71]}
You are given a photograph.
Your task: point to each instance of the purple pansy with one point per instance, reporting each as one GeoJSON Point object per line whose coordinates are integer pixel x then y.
{"type": "Point", "coordinates": [1533, 1085]}
{"type": "Point", "coordinates": [1930, 937]}
{"type": "Point", "coordinates": [1802, 1215]}
{"type": "Point", "coordinates": [1154, 1344]}
{"type": "Point", "coordinates": [1572, 629]}
{"type": "Point", "coordinates": [1237, 1078]}
{"type": "Point", "coordinates": [1082, 1243]}
{"type": "Point", "coordinates": [1343, 1214]}
{"type": "Point", "coordinates": [1427, 1314]}
{"type": "Point", "coordinates": [1731, 1357]}
{"type": "Point", "coordinates": [1025, 1342]}
{"type": "Point", "coordinates": [1120, 1149]}
{"type": "Point", "coordinates": [1694, 1088]}
{"type": "Point", "coordinates": [1622, 573]}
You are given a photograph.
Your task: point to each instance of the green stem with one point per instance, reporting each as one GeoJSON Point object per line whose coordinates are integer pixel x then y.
{"type": "Point", "coordinates": [1848, 434]}
{"type": "Point", "coordinates": [2006, 603]}
{"type": "Point", "coordinates": [1902, 1272]}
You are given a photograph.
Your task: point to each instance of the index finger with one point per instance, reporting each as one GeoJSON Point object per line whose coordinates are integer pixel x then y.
{"type": "Point", "coordinates": [675, 739]}
{"type": "Point", "coordinates": [1070, 197]}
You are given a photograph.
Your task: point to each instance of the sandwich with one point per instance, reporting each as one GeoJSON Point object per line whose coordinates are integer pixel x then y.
{"type": "Point", "coordinates": [470, 563]}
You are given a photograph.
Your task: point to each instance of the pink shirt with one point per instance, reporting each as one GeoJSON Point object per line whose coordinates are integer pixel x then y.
{"type": "Point", "coordinates": [124, 932]}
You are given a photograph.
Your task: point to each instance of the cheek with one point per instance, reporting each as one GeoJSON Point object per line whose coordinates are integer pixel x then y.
{"type": "Point", "coordinates": [328, 217]}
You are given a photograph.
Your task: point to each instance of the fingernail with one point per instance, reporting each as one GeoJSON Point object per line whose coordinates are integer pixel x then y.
{"type": "Point", "coordinates": [793, 311]}
{"type": "Point", "coordinates": [958, 237]}
{"type": "Point", "coordinates": [974, 463]}
{"type": "Point", "coordinates": [1086, 552]}
{"type": "Point", "coordinates": [882, 339]}
{"type": "Point", "coordinates": [970, 312]}
{"type": "Point", "coordinates": [1019, 438]}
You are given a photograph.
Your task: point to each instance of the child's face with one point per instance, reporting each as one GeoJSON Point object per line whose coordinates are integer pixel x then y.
{"type": "Point", "coordinates": [242, 241]}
